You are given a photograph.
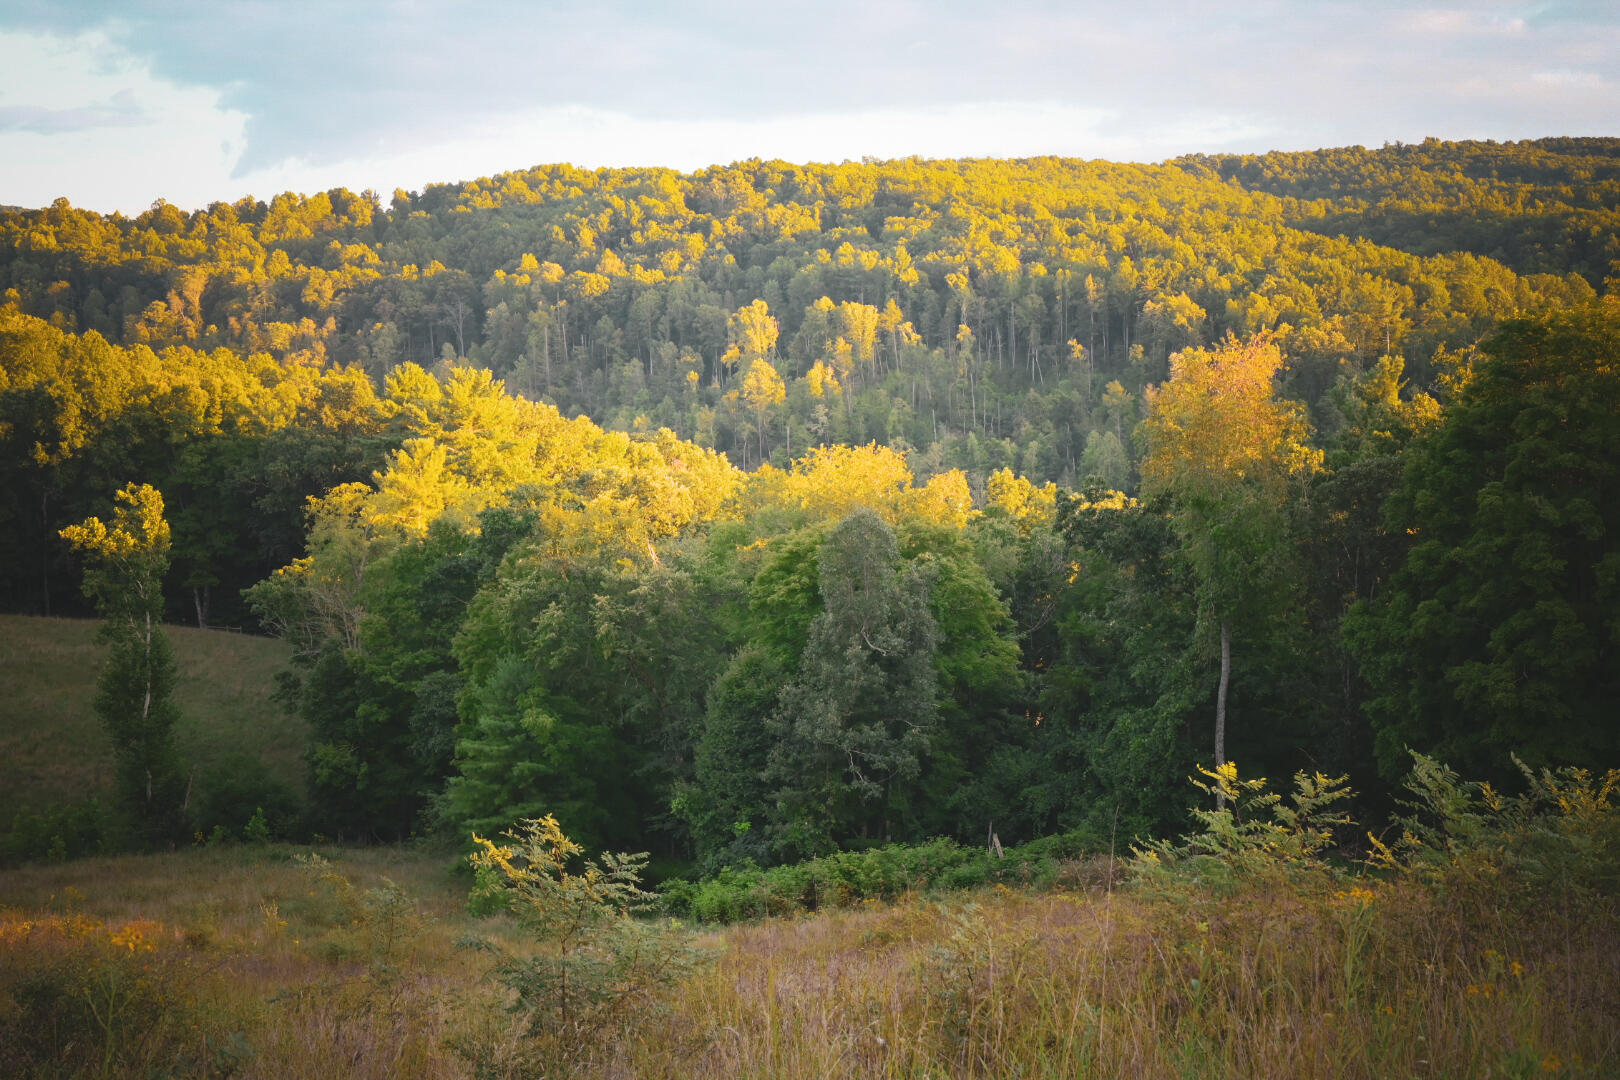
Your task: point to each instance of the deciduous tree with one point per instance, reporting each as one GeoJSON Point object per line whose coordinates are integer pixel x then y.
{"type": "Point", "coordinates": [126, 562]}
{"type": "Point", "coordinates": [1227, 452]}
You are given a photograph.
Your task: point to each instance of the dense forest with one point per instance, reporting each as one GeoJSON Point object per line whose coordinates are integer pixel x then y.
{"type": "Point", "coordinates": [774, 509]}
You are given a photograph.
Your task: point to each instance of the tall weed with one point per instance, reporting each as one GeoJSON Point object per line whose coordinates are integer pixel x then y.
{"type": "Point", "coordinates": [1563, 832]}
{"type": "Point", "coordinates": [591, 967]}
{"type": "Point", "coordinates": [1251, 833]}
{"type": "Point", "coordinates": [80, 997]}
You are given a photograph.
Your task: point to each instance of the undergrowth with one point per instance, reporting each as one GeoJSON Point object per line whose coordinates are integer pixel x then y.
{"type": "Point", "coordinates": [886, 873]}
{"type": "Point", "coordinates": [82, 997]}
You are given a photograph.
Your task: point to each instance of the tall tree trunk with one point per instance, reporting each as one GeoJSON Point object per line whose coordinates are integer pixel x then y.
{"type": "Point", "coordinates": [1220, 700]}
{"type": "Point", "coordinates": [45, 546]}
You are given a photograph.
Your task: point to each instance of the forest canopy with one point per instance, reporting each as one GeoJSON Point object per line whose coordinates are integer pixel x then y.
{"type": "Point", "coordinates": [765, 510]}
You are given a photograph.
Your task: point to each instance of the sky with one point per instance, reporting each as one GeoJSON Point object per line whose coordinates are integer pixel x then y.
{"type": "Point", "coordinates": [115, 105]}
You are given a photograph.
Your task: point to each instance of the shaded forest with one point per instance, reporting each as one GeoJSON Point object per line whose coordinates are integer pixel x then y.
{"type": "Point", "coordinates": [770, 510]}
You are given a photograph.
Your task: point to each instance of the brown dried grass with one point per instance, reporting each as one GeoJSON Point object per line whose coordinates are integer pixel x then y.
{"type": "Point", "coordinates": [1311, 978]}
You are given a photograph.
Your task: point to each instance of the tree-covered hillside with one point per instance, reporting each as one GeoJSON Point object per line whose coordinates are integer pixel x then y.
{"type": "Point", "coordinates": [980, 314]}
{"type": "Point", "coordinates": [770, 509]}
{"type": "Point", "coordinates": [1552, 206]}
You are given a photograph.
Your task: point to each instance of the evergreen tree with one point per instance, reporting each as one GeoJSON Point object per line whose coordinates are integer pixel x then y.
{"type": "Point", "coordinates": [858, 720]}
{"type": "Point", "coordinates": [1499, 631]}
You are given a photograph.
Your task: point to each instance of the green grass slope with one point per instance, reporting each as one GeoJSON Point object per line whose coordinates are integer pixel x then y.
{"type": "Point", "coordinates": [52, 747]}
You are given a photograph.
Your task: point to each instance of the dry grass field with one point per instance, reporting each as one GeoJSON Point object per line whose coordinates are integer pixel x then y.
{"type": "Point", "coordinates": [240, 961]}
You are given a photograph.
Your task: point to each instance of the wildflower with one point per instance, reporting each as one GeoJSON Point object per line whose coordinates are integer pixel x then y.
{"type": "Point", "coordinates": [131, 937]}
{"type": "Point", "coordinates": [1516, 969]}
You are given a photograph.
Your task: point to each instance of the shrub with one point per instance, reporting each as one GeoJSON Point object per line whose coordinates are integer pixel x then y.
{"type": "Point", "coordinates": [230, 793]}
{"type": "Point", "coordinates": [378, 927]}
{"type": "Point", "coordinates": [1251, 831]}
{"type": "Point", "coordinates": [594, 967]}
{"type": "Point", "coordinates": [845, 878]}
{"type": "Point", "coordinates": [1563, 831]}
{"type": "Point", "coordinates": [58, 832]}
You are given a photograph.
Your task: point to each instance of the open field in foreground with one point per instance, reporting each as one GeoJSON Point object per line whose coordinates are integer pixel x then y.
{"type": "Point", "coordinates": [242, 962]}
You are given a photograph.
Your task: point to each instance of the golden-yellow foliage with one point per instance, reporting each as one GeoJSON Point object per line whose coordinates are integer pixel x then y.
{"type": "Point", "coordinates": [1027, 505]}
{"type": "Point", "coordinates": [832, 481]}
{"type": "Point", "coordinates": [946, 500]}
{"type": "Point", "coordinates": [1217, 423]}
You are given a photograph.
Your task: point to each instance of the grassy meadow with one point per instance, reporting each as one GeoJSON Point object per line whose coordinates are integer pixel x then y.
{"type": "Point", "coordinates": [48, 670]}
{"type": "Point", "coordinates": [241, 961]}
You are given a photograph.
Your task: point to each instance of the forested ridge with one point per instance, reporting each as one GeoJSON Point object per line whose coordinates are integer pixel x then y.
{"type": "Point", "coordinates": [756, 512]}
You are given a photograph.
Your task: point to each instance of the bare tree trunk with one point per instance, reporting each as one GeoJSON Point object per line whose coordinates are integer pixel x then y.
{"type": "Point", "coordinates": [1220, 700]}
{"type": "Point", "coordinates": [45, 547]}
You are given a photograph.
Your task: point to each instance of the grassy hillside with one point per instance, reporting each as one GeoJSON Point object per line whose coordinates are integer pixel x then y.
{"type": "Point", "coordinates": [53, 746]}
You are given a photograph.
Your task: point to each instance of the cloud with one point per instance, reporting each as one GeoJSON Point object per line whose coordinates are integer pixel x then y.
{"type": "Point", "coordinates": [355, 79]}
{"type": "Point", "coordinates": [121, 110]}
{"type": "Point", "coordinates": [1452, 22]}
{"type": "Point", "coordinates": [1585, 80]}
{"type": "Point", "coordinates": [83, 118]}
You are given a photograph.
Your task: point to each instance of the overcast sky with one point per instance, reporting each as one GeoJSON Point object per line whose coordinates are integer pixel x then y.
{"type": "Point", "coordinates": [116, 104]}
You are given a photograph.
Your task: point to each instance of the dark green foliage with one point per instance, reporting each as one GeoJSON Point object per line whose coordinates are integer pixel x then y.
{"type": "Point", "coordinates": [235, 791]}
{"type": "Point", "coordinates": [134, 700]}
{"type": "Point", "coordinates": [383, 714]}
{"type": "Point", "coordinates": [1124, 694]}
{"type": "Point", "coordinates": [364, 778]}
{"type": "Point", "coordinates": [855, 724]}
{"type": "Point", "coordinates": [1547, 206]}
{"type": "Point", "coordinates": [515, 758]}
{"type": "Point", "coordinates": [586, 683]}
{"type": "Point", "coordinates": [784, 596]}
{"type": "Point", "coordinates": [979, 688]}
{"type": "Point", "coordinates": [728, 803]}
{"type": "Point", "coordinates": [846, 878]}
{"type": "Point", "coordinates": [60, 832]}
{"type": "Point", "coordinates": [1500, 630]}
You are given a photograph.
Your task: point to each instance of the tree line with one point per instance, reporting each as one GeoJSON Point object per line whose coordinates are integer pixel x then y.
{"type": "Point", "coordinates": [980, 315]}
{"type": "Point", "coordinates": [771, 509]}
{"type": "Point", "coordinates": [521, 614]}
